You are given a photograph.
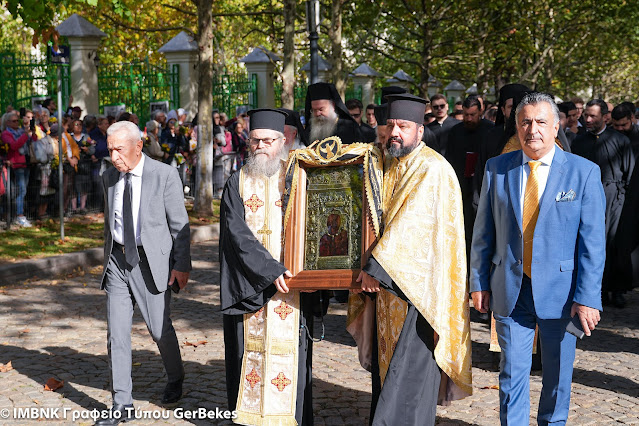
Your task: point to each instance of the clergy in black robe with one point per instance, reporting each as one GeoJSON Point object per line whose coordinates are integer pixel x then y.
{"type": "Point", "coordinates": [462, 152]}
{"type": "Point", "coordinates": [622, 117]}
{"type": "Point", "coordinates": [443, 122]}
{"type": "Point", "coordinates": [326, 115]}
{"type": "Point", "coordinates": [251, 273]}
{"type": "Point", "coordinates": [612, 152]}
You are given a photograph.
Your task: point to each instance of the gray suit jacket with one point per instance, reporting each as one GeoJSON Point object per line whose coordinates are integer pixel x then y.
{"type": "Point", "coordinates": [164, 223]}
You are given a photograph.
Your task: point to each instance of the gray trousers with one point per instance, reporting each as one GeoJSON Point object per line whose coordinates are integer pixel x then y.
{"type": "Point", "coordinates": [124, 289]}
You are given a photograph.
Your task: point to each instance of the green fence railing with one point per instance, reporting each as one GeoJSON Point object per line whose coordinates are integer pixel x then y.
{"type": "Point", "coordinates": [27, 81]}
{"type": "Point", "coordinates": [299, 94]}
{"type": "Point", "coordinates": [139, 88]}
{"type": "Point", "coordinates": [231, 91]}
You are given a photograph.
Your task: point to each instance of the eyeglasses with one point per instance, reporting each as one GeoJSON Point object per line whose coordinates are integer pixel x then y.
{"type": "Point", "coordinates": [265, 141]}
{"type": "Point", "coordinates": [442, 106]}
{"type": "Point", "coordinates": [356, 115]}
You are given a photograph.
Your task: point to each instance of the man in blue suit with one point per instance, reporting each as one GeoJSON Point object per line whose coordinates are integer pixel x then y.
{"type": "Point", "coordinates": [537, 258]}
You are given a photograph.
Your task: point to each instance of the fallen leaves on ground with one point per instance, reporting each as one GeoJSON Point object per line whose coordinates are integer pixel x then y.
{"type": "Point", "coordinates": [53, 384]}
{"type": "Point", "coordinates": [6, 367]}
{"type": "Point", "coordinates": [195, 345]}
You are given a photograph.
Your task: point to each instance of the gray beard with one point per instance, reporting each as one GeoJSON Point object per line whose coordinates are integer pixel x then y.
{"type": "Point", "coordinates": [261, 165]}
{"type": "Point", "coordinates": [323, 127]}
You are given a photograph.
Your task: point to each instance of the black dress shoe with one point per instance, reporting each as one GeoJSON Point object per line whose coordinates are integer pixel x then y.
{"type": "Point", "coordinates": [118, 414]}
{"type": "Point", "coordinates": [172, 392]}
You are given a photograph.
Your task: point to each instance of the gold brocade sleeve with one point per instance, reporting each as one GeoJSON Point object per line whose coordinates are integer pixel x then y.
{"type": "Point", "coordinates": [423, 250]}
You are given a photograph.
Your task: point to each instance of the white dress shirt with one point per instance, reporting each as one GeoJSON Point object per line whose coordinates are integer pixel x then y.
{"type": "Point", "coordinates": [542, 174]}
{"type": "Point", "coordinates": [118, 196]}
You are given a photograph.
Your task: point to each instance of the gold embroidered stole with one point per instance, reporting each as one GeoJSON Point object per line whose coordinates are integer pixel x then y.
{"type": "Point", "coordinates": [423, 250]}
{"type": "Point", "coordinates": [268, 388]}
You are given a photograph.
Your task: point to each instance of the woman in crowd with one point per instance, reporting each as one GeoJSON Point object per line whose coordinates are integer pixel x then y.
{"type": "Point", "coordinates": [152, 146]}
{"type": "Point", "coordinates": [16, 136]}
{"type": "Point", "coordinates": [239, 141]}
{"type": "Point", "coordinates": [172, 141]}
{"type": "Point", "coordinates": [219, 141]}
{"type": "Point", "coordinates": [70, 159]}
{"type": "Point", "coordinates": [42, 154]}
{"type": "Point", "coordinates": [83, 169]}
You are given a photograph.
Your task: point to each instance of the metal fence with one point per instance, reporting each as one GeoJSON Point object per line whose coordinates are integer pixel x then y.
{"type": "Point", "coordinates": [27, 81]}
{"type": "Point", "coordinates": [41, 201]}
{"type": "Point", "coordinates": [231, 91]}
{"type": "Point", "coordinates": [139, 88]}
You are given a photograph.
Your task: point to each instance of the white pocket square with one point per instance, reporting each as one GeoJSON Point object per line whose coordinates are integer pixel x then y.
{"type": "Point", "coordinates": [565, 196]}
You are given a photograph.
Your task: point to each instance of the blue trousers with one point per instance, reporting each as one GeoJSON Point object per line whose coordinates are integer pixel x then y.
{"type": "Point", "coordinates": [516, 334]}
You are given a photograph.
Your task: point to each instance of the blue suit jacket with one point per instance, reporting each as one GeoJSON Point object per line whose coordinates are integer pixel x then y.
{"type": "Point", "coordinates": [568, 243]}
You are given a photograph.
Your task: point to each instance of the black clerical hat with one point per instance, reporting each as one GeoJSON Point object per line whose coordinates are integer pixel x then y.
{"type": "Point", "coordinates": [406, 107]}
{"type": "Point", "coordinates": [322, 90]}
{"type": "Point", "coordinates": [293, 119]}
{"type": "Point", "coordinates": [380, 114]}
{"type": "Point", "coordinates": [391, 90]}
{"type": "Point", "coordinates": [267, 118]}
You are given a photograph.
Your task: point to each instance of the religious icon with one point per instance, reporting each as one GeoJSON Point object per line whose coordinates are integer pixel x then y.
{"type": "Point", "coordinates": [332, 213]}
{"type": "Point", "coordinates": [335, 241]}
{"type": "Point", "coordinates": [333, 216]}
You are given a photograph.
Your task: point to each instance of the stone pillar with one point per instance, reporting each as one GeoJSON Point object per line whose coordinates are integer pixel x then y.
{"type": "Point", "coordinates": [182, 51]}
{"type": "Point", "coordinates": [261, 63]}
{"type": "Point", "coordinates": [84, 41]}
{"type": "Point", "coordinates": [323, 71]}
{"type": "Point", "coordinates": [364, 77]}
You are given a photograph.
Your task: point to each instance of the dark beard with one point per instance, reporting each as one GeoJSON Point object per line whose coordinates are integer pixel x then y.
{"type": "Point", "coordinates": [403, 150]}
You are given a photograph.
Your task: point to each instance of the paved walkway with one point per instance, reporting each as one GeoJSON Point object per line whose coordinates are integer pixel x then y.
{"type": "Point", "coordinates": [58, 329]}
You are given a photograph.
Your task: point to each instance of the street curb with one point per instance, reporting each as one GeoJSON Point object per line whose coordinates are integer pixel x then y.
{"type": "Point", "coordinates": [65, 263]}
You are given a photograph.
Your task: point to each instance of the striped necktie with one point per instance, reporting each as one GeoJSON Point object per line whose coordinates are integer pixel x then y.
{"type": "Point", "coordinates": [531, 212]}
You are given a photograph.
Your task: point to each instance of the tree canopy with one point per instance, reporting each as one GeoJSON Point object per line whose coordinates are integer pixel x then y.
{"type": "Point", "coordinates": [561, 46]}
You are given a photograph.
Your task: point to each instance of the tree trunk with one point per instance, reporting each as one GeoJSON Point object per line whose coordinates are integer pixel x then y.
{"type": "Point", "coordinates": [335, 35]}
{"type": "Point", "coordinates": [288, 66]}
{"type": "Point", "coordinates": [204, 177]}
{"type": "Point", "coordinates": [425, 59]}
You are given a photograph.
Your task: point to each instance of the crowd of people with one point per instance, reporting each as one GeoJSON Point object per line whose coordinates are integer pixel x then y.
{"type": "Point", "coordinates": [29, 176]}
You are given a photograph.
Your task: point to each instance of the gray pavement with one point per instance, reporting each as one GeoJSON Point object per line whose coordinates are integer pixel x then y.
{"type": "Point", "coordinates": [57, 328]}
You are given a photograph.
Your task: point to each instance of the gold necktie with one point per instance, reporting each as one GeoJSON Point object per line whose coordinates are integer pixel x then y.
{"type": "Point", "coordinates": [531, 212]}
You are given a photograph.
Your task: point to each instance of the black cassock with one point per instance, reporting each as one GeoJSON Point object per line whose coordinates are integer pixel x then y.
{"type": "Point", "coordinates": [441, 133]}
{"type": "Point", "coordinates": [247, 272]}
{"type": "Point", "coordinates": [462, 153]}
{"type": "Point", "coordinates": [411, 385]}
{"type": "Point", "coordinates": [430, 139]}
{"type": "Point", "coordinates": [347, 130]}
{"type": "Point", "coordinates": [612, 152]}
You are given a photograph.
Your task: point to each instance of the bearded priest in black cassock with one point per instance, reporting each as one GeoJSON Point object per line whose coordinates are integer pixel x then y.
{"type": "Point", "coordinates": [326, 115]}
{"type": "Point", "coordinates": [268, 350]}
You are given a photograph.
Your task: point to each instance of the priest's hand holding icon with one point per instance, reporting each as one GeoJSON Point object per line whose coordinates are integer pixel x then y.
{"type": "Point", "coordinates": [369, 283]}
{"type": "Point", "coordinates": [279, 282]}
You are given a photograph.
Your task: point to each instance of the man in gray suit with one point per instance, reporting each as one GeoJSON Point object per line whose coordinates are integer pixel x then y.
{"type": "Point", "coordinates": [146, 253]}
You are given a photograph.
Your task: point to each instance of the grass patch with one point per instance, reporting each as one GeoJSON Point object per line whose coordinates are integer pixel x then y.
{"type": "Point", "coordinates": [43, 239]}
{"type": "Point", "coordinates": [80, 233]}
{"type": "Point", "coordinates": [196, 219]}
